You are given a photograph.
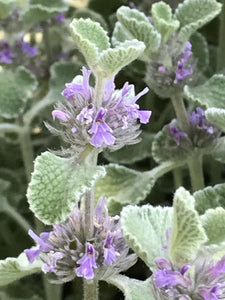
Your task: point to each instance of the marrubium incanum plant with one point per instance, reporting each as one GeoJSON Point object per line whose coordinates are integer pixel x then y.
{"type": "Point", "coordinates": [94, 219]}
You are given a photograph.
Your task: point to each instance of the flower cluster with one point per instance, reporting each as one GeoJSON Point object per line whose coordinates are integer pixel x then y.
{"type": "Point", "coordinates": [6, 54]}
{"type": "Point", "coordinates": [113, 124]}
{"type": "Point", "coordinates": [202, 279]}
{"type": "Point", "coordinates": [66, 253]}
{"type": "Point", "coordinates": [167, 78]}
{"type": "Point", "coordinates": [201, 134]}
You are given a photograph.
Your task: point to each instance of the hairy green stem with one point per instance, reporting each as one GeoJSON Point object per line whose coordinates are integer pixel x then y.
{"type": "Point", "coordinates": [11, 212]}
{"type": "Point", "coordinates": [99, 88]}
{"type": "Point", "coordinates": [27, 150]}
{"type": "Point", "coordinates": [90, 289]}
{"type": "Point", "coordinates": [46, 39]}
{"type": "Point", "coordinates": [52, 291]}
{"type": "Point", "coordinates": [177, 177]}
{"type": "Point", "coordinates": [221, 47]}
{"type": "Point", "coordinates": [196, 172]}
{"type": "Point", "coordinates": [164, 168]}
{"type": "Point", "coordinates": [181, 113]}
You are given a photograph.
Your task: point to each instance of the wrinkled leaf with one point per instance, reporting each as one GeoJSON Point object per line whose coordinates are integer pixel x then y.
{"type": "Point", "coordinates": [144, 228]}
{"type": "Point", "coordinates": [42, 10]}
{"type": "Point", "coordinates": [209, 94]}
{"type": "Point", "coordinates": [210, 197]}
{"type": "Point", "coordinates": [216, 116]}
{"type": "Point", "coordinates": [114, 59]}
{"type": "Point", "coordinates": [213, 222]}
{"type": "Point", "coordinates": [20, 83]}
{"type": "Point", "coordinates": [193, 14]}
{"type": "Point", "coordinates": [133, 289]}
{"type": "Point", "coordinates": [187, 233]}
{"type": "Point", "coordinates": [90, 38]}
{"type": "Point", "coordinates": [57, 185]}
{"type": "Point", "coordinates": [15, 268]}
{"type": "Point", "coordinates": [200, 51]}
{"type": "Point", "coordinates": [139, 27]}
{"type": "Point", "coordinates": [163, 20]}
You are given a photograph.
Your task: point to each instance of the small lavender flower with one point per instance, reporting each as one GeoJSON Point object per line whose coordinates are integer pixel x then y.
{"type": "Point", "coordinates": [87, 262]}
{"type": "Point", "coordinates": [112, 125]}
{"type": "Point", "coordinates": [66, 253]}
{"type": "Point", "coordinates": [206, 280]}
{"type": "Point", "coordinates": [177, 134]}
{"type": "Point", "coordinates": [180, 71]}
{"type": "Point", "coordinates": [6, 54]}
{"type": "Point", "coordinates": [27, 49]}
{"type": "Point", "coordinates": [60, 18]}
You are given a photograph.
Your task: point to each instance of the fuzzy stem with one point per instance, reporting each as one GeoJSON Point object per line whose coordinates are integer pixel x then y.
{"type": "Point", "coordinates": [181, 112]}
{"type": "Point", "coordinates": [221, 48]}
{"type": "Point", "coordinates": [196, 172]}
{"type": "Point", "coordinates": [90, 289]}
{"type": "Point", "coordinates": [47, 43]}
{"type": "Point", "coordinates": [99, 88]}
{"type": "Point", "coordinates": [27, 150]}
{"type": "Point", "coordinates": [52, 291]}
{"type": "Point", "coordinates": [8, 127]}
{"type": "Point", "coordinates": [177, 177]}
{"type": "Point", "coordinates": [11, 212]}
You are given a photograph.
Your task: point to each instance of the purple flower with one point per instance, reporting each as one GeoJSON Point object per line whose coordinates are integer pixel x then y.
{"type": "Point", "coordinates": [109, 89]}
{"type": "Point", "coordinates": [109, 250]}
{"type": "Point", "coordinates": [86, 115]}
{"type": "Point", "coordinates": [81, 88]}
{"type": "Point", "coordinates": [87, 263]}
{"type": "Point", "coordinates": [162, 263]}
{"type": "Point", "coordinates": [101, 131]}
{"type": "Point", "coordinates": [177, 134]}
{"type": "Point", "coordinates": [197, 119]}
{"type": "Point", "coordinates": [51, 266]}
{"type": "Point", "coordinates": [31, 51]}
{"type": "Point", "coordinates": [180, 70]}
{"type": "Point", "coordinates": [60, 18]}
{"type": "Point", "coordinates": [169, 278]}
{"type": "Point", "coordinates": [42, 241]}
{"type": "Point", "coordinates": [6, 54]}
{"type": "Point", "coordinates": [218, 269]}
{"type": "Point", "coordinates": [60, 115]}
{"type": "Point", "coordinates": [211, 293]}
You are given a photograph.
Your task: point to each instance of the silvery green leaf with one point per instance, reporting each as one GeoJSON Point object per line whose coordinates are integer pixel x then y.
{"type": "Point", "coordinates": [133, 289]}
{"type": "Point", "coordinates": [140, 28]}
{"type": "Point", "coordinates": [210, 197]}
{"type": "Point", "coordinates": [200, 50]}
{"type": "Point", "coordinates": [187, 232]}
{"type": "Point", "coordinates": [5, 8]}
{"type": "Point", "coordinates": [90, 38]}
{"type": "Point", "coordinates": [216, 116]}
{"type": "Point", "coordinates": [4, 185]}
{"type": "Point", "coordinates": [163, 20]}
{"type": "Point", "coordinates": [15, 88]}
{"type": "Point", "coordinates": [12, 269]}
{"type": "Point", "coordinates": [213, 222]}
{"type": "Point", "coordinates": [41, 10]}
{"type": "Point", "coordinates": [6, 296]}
{"type": "Point", "coordinates": [193, 14]}
{"type": "Point", "coordinates": [86, 13]}
{"type": "Point", "coordinates": [114, 59]}
{"type": "Point", "coordinates": [132, 153]}
{"type": "Point", "coordinates": [144, 228]}
{"type": "Point", "coordinates": [120, 34]}
{"type": "Point", "coordinates": [57, 184]}
{"type": "Point", "coordinates": [209, 94]}
{"type": "Point", "coordinates": [123, 186]}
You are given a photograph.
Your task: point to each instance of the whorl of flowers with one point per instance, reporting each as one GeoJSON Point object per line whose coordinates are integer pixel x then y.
{"type": "Point", "coordinates": [66, 253]}
{"type": "Point", "coordinates": [167, 78]}
{"type": "Point", "coordinates": [203, 278]}
{"type": "Point", "coordinates": [113, 124]}
{"type": "Point", "coordinates": [201, 134]}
